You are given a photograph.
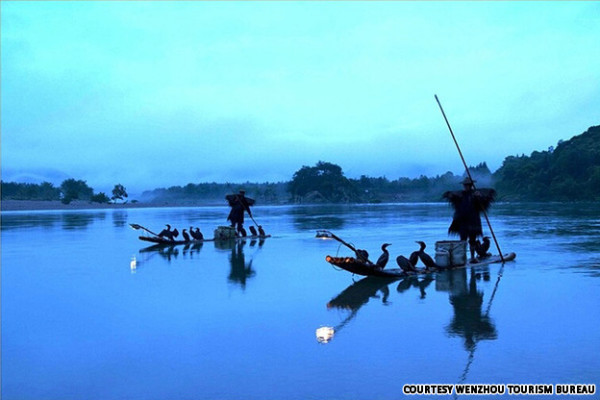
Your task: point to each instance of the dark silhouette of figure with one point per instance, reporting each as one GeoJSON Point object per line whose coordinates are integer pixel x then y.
{"type": "Point", "coordinates": [405, 264]}
{"type": "Point", "coordinates": [425, 258]}
{"type": "Point", "coordinates": [414, 258]}
{"type": "Point", "coordinates": [261, 231]}
{"type": "Point", "coordinates": [239, 204]}
{"type": "Point", "coordinates": [242, 231]}
{"type": "Point", "coordinates": [468, 204]}
{"type": "Point", "coordinates": [482, 248]}
{"type": "Point", "coordinates": [253, 231]}
{"type": "Point", "coordinates": [185, 235]}
{"type": "Point", "coordinates": [240, 271]}
{"type": "Point", "coordinates": [383, 259]}
{"type": "Point", "coordinates": [469, 322]}
{"type": "Point", "coordinates": [197, 235]}
{"type": "Point", "coordinates": [168, 233]}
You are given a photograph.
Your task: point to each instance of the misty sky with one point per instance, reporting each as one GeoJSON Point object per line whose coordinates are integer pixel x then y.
{"type": "Point", "coordinates": [155, 94]}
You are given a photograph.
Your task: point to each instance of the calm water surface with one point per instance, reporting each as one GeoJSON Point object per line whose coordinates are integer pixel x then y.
{"type": "Point", "coordinates": [239, 321]}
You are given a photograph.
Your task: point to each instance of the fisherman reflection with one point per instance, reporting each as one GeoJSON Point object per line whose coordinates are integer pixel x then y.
{"type": "Point", "coordinates": [240, 270]}
{"type": "Point", "coordinates": [469, 321]}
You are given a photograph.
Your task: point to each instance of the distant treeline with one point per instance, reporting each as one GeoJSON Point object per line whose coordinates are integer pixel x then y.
{"type": "Point", "coordinates": [569, 172]}
{"type": "Point", "coordinates": [69, 190]}
{"type": "Point", "coordinates": [214, 193]}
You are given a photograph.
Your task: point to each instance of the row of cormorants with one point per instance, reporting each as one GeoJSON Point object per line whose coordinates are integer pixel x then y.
{"type": "Point", "coordinates": [409, 264]}
{"type": "Point", "coordinates": [172, 234]}
{"type": "Point", "coordinates": [197, 235]}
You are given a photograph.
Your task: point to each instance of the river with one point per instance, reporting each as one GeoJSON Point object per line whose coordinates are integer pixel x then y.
{"type": "Point", "coordinates": [90, 312]}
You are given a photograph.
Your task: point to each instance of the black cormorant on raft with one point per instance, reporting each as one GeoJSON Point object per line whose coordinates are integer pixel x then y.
{"type": "Point", "coordinates": [425, 258]}
{"type": "Point", "coordinates": [168, 233]}
{"type": "Point", "coordinates": [361, 265]}
{"type": "Point", "coordinates": [196, 234]}
{"type": "Point", "coordinates": [167, 236]}
{"type": "Point", "coordinates": [383, 259]}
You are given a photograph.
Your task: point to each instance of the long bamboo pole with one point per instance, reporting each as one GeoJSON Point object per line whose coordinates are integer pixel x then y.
{"type": "Point", "coordinates": [469, 175]}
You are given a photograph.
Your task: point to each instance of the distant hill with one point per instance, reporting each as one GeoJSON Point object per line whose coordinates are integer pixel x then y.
{"type": "Point", "coordinates": [569, 172]}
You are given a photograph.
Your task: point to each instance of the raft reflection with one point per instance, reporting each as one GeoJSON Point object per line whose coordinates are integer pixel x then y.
{"type": "Point", "coordinates": [469, 320]}
{"type": "Point", "coordinates": [170, 252]}
{"type": "Point", "coordinates": [354, 297]}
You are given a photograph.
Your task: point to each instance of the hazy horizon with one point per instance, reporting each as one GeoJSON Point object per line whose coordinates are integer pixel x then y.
{"type": "Point", "coordinates": [159, 94]}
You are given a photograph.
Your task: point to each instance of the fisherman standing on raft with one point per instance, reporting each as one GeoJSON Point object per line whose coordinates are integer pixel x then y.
{"type": "Point", "coordinates": [468, 204]}
{"type": "Point", "coordinates": [239, 203]}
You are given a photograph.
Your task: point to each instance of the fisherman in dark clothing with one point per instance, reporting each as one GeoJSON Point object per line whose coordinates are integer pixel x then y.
{"type": "Point", "coordinates": [468, 204]}
{"type": "Point", "coordinates": [239, 203]}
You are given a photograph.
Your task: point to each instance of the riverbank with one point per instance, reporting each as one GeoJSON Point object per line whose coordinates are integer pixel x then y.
{"type": "Point", "coordinates": [39, 205]}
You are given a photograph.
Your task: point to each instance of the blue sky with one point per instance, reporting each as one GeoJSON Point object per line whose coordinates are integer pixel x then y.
{"type": "Point", "coordinates": [154, 94]}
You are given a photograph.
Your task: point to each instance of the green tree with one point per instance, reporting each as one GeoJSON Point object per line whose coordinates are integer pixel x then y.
{"type": "Point", "coordinates": [100, 198]}
{"type": "Point", "coordinates": [72, 189]}
{"type": "Point", "coordinates": [325, 180]}
{"type": "Point", "coordinates": [119, 192]}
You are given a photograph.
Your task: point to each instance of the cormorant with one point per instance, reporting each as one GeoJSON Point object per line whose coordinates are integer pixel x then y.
{"type": "Point", "coordinates": [482, 248]}
{"type": "Point", "coordinates": [185, 235]}
{"type": "Point", "coordinates": [426, 258]}
{"type": "Point", "coordinates": [414, 258]}
{"type": "Point", "coordinates": [383, 259]}
{"type": "Point", "coordinates": [253, 231]}
{"type": "Point", "coordinates": [197, 235]}
{"type": "Point", "coordinates": [242, 231]}
{"type": "Point", "coordinates": [168, 233]}
{"type": "Point", "coordinates": [261, 231]}
{"type": "Point", "coordinates": [405, 264]}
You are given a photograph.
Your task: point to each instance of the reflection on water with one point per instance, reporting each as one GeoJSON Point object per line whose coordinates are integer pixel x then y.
{"type": "Point", "coordinates": [357, 295]}
{"type": "Point", "coordinates": [171, 252]}
{"type": "Point", "coordinates": [240, 270]}
{"type": "Point", "coordinates": [119, 218]}
{"type": "Point", "coordinates": [72, 311]}
{"type": "Point", "coordinates": [240, 267]}
{"type": "Point", "coordinates": [420, 283]}
{"type": "Point", "coordinates": [466, 299]}
{"type": "Point", "coordinates": [49, 219]}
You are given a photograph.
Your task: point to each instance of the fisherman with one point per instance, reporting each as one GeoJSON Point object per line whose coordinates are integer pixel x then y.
{"type": "Point", "coordinates": [239, 203]}
{"type": "Point", "coordinates": [468, 204]}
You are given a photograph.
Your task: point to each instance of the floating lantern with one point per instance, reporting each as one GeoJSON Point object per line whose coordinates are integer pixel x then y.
{"type": "Point", "coordinates": [325, 334]}
{"type": "Point", "coordinates": [133, 263]}
{"type": "Point", "coordinates": [323, 234]}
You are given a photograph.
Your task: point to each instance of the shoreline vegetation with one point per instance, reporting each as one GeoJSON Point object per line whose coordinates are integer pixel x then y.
{"type": "Point", "coordinates": [569, 172]}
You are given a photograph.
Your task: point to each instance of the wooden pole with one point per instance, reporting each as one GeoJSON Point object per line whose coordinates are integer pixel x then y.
{"type": "Point", "coordinates": [469, 175]}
